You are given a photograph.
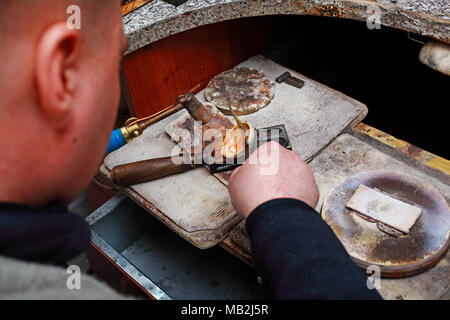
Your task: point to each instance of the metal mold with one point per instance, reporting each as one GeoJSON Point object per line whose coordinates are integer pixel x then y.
{"type": "Point", "coordinates": [427, 241]}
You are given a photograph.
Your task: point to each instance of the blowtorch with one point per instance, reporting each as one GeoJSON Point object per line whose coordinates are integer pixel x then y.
{"type": "Point", "coordinates": [135, 127]}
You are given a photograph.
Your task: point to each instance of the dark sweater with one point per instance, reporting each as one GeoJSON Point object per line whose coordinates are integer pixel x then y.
{"type": "Point", "coordinates": [300, 257]}
{"type": "Point", "coordinates": [49, 234]}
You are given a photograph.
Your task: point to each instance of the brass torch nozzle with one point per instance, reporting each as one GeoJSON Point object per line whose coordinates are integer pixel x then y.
{"type": "Point", "coordinates": [135, 127]}
{"type": "Point", "coordinates": [195, 108]}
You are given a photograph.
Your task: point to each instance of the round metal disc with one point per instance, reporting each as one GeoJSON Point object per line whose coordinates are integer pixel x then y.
{"type": "Point", "coordinates": [245, 90]}
{"type": "Point", "coordinates": [370, 243]}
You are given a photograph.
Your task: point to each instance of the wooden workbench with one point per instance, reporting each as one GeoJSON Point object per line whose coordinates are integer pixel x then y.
{"type": "Point", "coordinates": [321, 125]}
{"type": "Point", "coordinates": [431, 284]}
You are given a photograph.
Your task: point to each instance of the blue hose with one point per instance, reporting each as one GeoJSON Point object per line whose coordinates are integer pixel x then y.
{"type": "Point", "coordinates": [116, 141]}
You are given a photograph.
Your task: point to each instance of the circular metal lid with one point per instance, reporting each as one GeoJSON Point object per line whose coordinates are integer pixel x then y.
{"type": "Point", "coordinates": [372, 243]}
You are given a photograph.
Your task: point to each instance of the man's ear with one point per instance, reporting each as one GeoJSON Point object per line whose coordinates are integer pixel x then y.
{"type": "Point", "coordinates": [57, 73]}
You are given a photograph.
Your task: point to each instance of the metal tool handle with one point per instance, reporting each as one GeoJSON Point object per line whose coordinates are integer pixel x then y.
{"type": "Point", "coordinates": [148, 170]}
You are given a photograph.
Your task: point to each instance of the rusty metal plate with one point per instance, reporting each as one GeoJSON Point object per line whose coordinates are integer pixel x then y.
{"type": "Point", "coordinates": [245, 90]}
{"type": "Point", "coordinates": [186, 125]}
{"type": "Point", "coordinates": [369, 244]}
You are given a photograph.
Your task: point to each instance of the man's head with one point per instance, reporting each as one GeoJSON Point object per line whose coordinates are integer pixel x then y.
{"type": "Point", "coordinates": [59, 90]}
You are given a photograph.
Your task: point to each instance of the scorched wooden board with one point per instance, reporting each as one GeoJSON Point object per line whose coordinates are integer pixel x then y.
{"type": "Point", "coordinates": [196, 204]}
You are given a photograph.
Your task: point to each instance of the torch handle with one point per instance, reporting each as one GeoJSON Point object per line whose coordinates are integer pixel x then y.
{"type": "Point", "coordinates": [148, 170]}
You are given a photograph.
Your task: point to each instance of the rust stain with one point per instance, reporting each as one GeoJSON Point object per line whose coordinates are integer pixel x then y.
{"type": "Point", "coordinates": [237, 251]}
{"type": "Point", "coordinates": [413, 151]}
{"type": "Point", "coordinates": [328, 10]}
{"type": "Point", "coordinates": [299, 4]}
{"type": "Point", "coordinates": [421, 155]}
{"type": "Point", "coordinates": [134, 5]}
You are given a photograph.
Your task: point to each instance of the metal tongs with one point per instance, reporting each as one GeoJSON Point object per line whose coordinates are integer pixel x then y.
{"type": "Point", "coordinates": [239, 123]}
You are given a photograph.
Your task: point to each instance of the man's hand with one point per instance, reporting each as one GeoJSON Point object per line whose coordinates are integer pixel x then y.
{"type": "Point", "coordinates": [271, 172]}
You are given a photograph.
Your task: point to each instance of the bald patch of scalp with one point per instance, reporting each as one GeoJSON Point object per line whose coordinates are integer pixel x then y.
{"type": "Point", "coordinates": [17, 16]}
{"type": "Point", "coordinates": [23, 21]}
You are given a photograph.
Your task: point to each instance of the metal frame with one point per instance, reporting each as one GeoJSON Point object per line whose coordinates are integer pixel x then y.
{"type": "Point", "coordinates": [127, 267]}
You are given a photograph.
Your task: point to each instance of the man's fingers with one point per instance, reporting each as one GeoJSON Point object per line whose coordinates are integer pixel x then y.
{"type": "Point", "coordinates": [233, 174]}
